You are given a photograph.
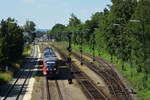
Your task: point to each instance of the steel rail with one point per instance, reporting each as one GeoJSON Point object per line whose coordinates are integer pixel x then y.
{"type": "Point", "coordinates": [28, 75]}
{"type": "Point", "coordinates": [94, 68]}
{"type": "Point", "coordinates": [48, 91]}
{"type": "Point", "coordinates": [112, 75]}
{"type": "Point", "coordinates": [59, 91]}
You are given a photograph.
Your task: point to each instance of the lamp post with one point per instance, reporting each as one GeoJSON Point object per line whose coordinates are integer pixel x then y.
{"type": "Point", "coordinates": [69, 58]}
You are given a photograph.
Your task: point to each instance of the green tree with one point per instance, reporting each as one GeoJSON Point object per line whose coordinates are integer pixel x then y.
{"type": "Point", "coordinates": [117, 39]}
{"type": "Point", "coordinates": [74, 21]}
{"type": "Point", "coordinates": [30, 28]}
{"type": "Point", "coordinates": [141, 32]}
{"type": "Point", "coordinates": [57, 32]}
{"type": "Point", "coordinates": [72, 27]}
{"type": "Point", "coordinates": [11, 42]}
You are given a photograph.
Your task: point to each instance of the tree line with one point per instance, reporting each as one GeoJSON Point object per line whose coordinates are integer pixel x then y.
{"type": "Point", "coordinates": [12, 40]}
{"type": "Point", "coordinates": [122, 29]}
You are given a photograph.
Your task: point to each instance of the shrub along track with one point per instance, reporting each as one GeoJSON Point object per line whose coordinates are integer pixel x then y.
{"type": "Point", "coordinates": [89, 88]}
{"type": "Point", "coordinates": [116, 87]}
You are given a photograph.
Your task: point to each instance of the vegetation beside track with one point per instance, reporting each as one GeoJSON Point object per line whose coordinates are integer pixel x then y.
{"type": "Point", "coordinates": [27, 50]}
{"type": "Point", "coordinates": [11, 48]}
{"type": "Point", "coordinates": [6, 76]}
{"type": "Point", "coordinates": [133, 79]}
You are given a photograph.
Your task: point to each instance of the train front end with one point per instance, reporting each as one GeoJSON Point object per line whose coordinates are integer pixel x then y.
{"type": "Point", "coordinates": [51, 67]}
{"type": "Point", "coordinates": [49, 63]}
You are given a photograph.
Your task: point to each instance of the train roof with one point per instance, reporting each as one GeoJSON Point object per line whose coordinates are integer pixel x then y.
{"type": "Point", "coordinates": [49, 55]}
{"type": "Point", "coordinates": [49, 52]}
{"type": "Point", "coordinates": [52, 54]}
{"type": "Point", "coordinates": [47, 48]}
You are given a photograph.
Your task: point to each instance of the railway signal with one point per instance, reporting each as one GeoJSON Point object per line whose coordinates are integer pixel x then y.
{"type": "Point", "coordinates": [93, 49]}
{"type": "Point", "coordinates": [93, 45]}
{"type": "Point", "coordinates": [69, 58]}
{"type": "Point", "coordinates": [81, 48]}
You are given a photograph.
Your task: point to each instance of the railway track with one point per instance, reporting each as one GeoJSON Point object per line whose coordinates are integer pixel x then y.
{"type": "Point", "coordinates": [47, 89]}
{"type": "Point", "coordinates": [15, 91]}
{"type": "Point", "coordinates": [116, 87]}
{"type": "Point", "coordinates": [56, 83]}
{"type": "Point", "coordinates": [58, 90]}
{"type": "Point", "coordinates": [87, 85]}
{"type": "Point", "coordinates": [90, 89]}
{"type": "Point", "coordinates": [112, 73]}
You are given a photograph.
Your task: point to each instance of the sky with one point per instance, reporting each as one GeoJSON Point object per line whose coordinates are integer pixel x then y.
{"type": "Point", "coordinates": [47, 13]}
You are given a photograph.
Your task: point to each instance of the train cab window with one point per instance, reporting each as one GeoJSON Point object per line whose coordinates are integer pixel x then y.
{"type": "Point", "coordinates": [50, 65]}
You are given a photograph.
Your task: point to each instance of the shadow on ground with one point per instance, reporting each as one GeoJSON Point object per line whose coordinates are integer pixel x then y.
{"type": "Point", "coordinates": [28, 63]}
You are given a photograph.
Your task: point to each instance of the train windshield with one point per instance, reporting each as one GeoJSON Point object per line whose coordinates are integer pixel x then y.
{"type": "Point", "coordinates": [46, 54]}
{"type": "Point", "coordinates": [49, 65]}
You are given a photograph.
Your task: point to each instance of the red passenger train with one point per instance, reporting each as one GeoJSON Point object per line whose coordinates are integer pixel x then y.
{"type": "Point", "coordinates": [49, 62]}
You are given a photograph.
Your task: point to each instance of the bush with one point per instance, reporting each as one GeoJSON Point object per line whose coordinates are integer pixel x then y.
{"type": "Point", "coordinates": [16, 65]}
{"type": "Point", "coordinates": [5, 77]}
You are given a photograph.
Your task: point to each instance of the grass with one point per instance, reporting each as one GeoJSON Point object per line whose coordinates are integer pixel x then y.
{"type": "Point", "coordinates": [5, 77]}
{"type": "Point", "coordinates": [27, 50]}
{"type": "Point", "coordinates": [134, 79]}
